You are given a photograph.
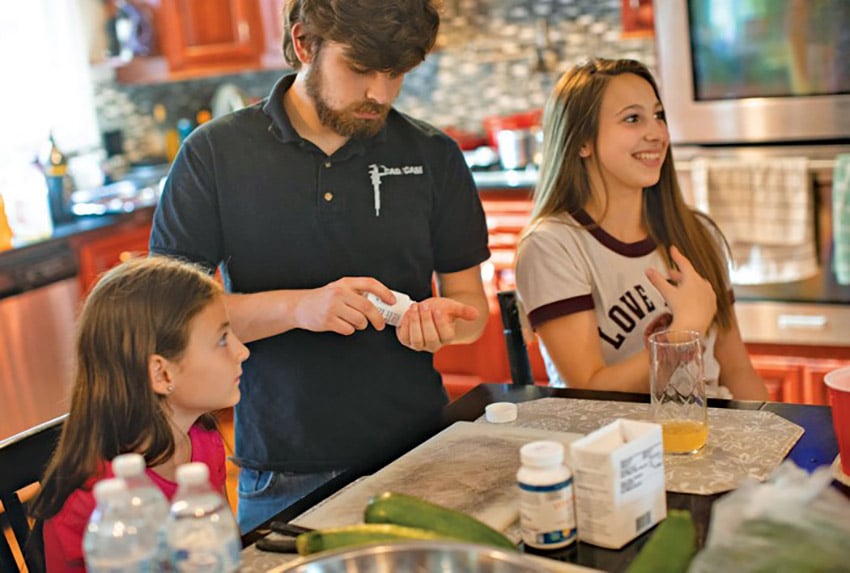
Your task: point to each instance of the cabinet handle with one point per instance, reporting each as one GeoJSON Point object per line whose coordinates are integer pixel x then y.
{"type": "Point", "coordinates": [125, 256]}
{"type": "Point", "coordinates": [813, 321]}
{"type": "Point", "coordinates": [244, 31]}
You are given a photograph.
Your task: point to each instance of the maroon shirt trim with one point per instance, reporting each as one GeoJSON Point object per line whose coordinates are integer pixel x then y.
{"type": "Point", "coordinates": [559, 308]}
{"type": "Point", "coordinates": [631, 250]}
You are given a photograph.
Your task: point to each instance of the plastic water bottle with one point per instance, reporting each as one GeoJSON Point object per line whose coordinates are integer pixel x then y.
{"type": "Point", "coordinates": [202, 532]}
{"type": "Point", "coordinates": [117, 538]}
{"type": "Point", "coordinates": [146, 499]}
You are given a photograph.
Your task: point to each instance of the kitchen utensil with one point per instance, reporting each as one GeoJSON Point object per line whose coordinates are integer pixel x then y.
{"type": "Point", "coordinates": [514, 147]}
{"type": "Point", "coordinates": [443, 556]}
{"type": "Point", "coordinates": [227, 98]}
{"type": "Point", "coordinates": [276, 543]}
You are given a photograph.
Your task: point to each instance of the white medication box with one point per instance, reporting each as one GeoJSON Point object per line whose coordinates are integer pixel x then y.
{"type": "Point", "coordinates": [618, 473]}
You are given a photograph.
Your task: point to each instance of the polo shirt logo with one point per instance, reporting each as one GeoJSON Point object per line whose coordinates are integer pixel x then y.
{"type": "Point", "coordinates": [376, 172]}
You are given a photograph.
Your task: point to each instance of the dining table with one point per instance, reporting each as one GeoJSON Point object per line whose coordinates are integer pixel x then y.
{"type": "Point", "coordinates": [817, 446]}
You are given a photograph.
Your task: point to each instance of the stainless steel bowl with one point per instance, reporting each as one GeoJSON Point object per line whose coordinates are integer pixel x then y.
{"type": "Point", "coordinates": [421, 556]}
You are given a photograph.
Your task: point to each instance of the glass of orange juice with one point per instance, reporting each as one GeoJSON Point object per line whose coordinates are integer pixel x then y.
{"type": "Point", "coordinates": [677, 390]}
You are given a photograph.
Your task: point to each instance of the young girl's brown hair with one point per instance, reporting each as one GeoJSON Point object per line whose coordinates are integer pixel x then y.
{"type": "Point", "coordinates": [570, 120]}
{"type": "Point", "coordinates": [139, 308]}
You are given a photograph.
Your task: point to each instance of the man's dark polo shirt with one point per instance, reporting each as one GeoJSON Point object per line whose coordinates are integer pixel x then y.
{"type": "Point", "coordinates": [247, 192]}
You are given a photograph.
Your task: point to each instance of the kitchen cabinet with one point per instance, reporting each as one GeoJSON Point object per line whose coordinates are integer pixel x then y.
{"type": "Point", "coordinates": [783, 377]}
{"type": "Point", "coordinates": [102, 251]}
{"type": "Point", "coordinates": [199, 38]}
{"type": "Point", "coordinates": [272, 15]}
{"type": "Point", "coordinates": [794, 373]}
{"type": "Point", "coordinates": [211, 33]}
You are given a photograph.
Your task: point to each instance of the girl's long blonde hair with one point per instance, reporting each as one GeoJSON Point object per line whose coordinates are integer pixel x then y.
{"type": "Point", "coordinates": [140, 308]}
{"type": "Point", "coordinates": [570, 120]}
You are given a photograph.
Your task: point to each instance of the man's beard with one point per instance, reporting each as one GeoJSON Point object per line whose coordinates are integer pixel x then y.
{"type": "Point", "coordinates": [344, 121]}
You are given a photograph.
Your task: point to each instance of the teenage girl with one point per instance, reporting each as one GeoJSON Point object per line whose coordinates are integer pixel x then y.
{"type": "Point", "coordinates": [155, 356]}
{"type": "Point", "coordinates": [612, 252]}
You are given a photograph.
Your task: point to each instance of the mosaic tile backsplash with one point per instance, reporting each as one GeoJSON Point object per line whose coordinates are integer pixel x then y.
{"type": "Point", "coordinates": [494, 57]}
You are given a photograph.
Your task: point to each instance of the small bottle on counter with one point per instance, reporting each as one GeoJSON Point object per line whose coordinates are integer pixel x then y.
{"type": "Point", "coordinates": [59, 184]}
{"type": "Point", "coordinates": [546, 505]}
{"type": "Point", "coordinates": [184, 128]}
{"type": "Point", "coordinates": [26, 201]}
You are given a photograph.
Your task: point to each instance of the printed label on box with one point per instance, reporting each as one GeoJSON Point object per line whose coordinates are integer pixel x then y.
{"type": "Point", "coordinates": [619, 482]}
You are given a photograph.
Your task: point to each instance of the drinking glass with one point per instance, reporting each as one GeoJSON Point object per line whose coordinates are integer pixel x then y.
{"type": "Point", "coordinates": [677, 389]}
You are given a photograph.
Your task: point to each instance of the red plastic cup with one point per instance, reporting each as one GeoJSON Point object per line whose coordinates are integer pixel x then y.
{"type": "Point", "coordinates": [838, 382]}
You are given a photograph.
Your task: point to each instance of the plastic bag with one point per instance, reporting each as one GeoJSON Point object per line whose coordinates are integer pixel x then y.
{"type": "Point", "coordinates": [792, 522]}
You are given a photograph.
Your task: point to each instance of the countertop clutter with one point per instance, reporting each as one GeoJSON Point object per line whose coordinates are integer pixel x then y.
{"type": "Point", "coordinates": [549, 410]}
{"type": "Point", "coordinates": [140, 187]}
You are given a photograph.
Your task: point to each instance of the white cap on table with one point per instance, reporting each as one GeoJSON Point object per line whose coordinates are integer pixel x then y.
{"type": "Point", "coordinates": [500, 412]}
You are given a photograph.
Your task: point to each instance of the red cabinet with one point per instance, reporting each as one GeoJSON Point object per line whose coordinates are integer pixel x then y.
{"type": "Point", "coordinates": [272, 16]}
{"type": "Point", "coordinates": [211, 33]}
{"type": "Point", "coordinates": [795, 373]}
{"type": "Point", "coordinates": [782, 376]}
{"type": "Point", "coordinates": [100, 252]}
{"type": "Point", "coordinates": [197, 38]}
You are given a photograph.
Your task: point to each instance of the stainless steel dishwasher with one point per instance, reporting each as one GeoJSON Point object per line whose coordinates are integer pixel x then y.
{"type": "Point", "coordinates": [39, 300]}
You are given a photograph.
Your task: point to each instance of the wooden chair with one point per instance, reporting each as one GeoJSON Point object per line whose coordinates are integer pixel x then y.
{"type": "Point", "coordinates": [517, 350]}
{"type": "Point", "coordinates": [22, 461]}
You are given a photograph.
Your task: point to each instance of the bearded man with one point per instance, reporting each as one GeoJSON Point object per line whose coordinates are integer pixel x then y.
{"type": "Point", "coordinates": [309, 201]}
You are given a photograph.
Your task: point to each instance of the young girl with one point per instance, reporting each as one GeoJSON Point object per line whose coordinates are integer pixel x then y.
{"type": "Point", "coordinates": [155, 355]}
{"type": "Point", "coordinates": [612, 252]}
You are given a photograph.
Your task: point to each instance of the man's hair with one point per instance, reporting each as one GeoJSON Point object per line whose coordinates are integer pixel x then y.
{"type": "Point", "coordinates": [140, 308]}
{"type": "Point", "coordinates": [382, 35]}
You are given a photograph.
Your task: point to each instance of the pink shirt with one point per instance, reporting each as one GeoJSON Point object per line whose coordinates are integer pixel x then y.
{"type": "Point", "coordinates": [63, 533]}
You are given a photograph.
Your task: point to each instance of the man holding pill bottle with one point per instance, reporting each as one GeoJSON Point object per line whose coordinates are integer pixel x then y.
{"type": "Point", "coordinates": [309, 202]}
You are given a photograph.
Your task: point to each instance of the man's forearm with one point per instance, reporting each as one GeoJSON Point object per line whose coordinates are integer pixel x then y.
{"type": "Point", "coordinates": [263, 314]}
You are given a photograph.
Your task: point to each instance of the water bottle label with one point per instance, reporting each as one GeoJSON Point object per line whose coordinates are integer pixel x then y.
{"type": "Point", "coordinates": [223, 559]}
{"type": "Point", "coordinates": [190, 560]}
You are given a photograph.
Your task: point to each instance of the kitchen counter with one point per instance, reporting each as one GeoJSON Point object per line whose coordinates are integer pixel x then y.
{"type": "Point", "coordinates": [79, 226]}
{"type": "Point", "coordinates": [815, 448]}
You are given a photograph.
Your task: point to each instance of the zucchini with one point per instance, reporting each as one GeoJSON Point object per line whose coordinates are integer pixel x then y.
{"type": "Point", "coordinates": [401, 509]}
{"type": "Point", "coordinates": [671, 547]}
{"type": "Point", "coordinates": [361, 534]}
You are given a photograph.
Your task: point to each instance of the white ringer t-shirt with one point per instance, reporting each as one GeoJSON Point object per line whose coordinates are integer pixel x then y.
{"type": "Point", "coordinates": [564, 268]}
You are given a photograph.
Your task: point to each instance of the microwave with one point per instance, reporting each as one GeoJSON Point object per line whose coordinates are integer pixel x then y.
{"type": "Point", "coordinates": [754, 72]}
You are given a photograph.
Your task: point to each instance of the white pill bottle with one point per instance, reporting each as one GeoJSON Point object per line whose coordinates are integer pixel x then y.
{"type": "Point", "coordinates": [546, 505]}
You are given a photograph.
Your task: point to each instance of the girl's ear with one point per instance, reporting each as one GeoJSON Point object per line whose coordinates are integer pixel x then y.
{"type": "Point", "coordinates": [300, 44]}
{"type": "Point", "coordinates": [585, 151]}
{"type": "Point", "coordinates": [159, 375]}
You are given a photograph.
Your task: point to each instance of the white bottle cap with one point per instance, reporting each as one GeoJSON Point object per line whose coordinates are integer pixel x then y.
{"type": "Point", "coordinates": [193, 473]}
{"type": "Point", "coordinates": [108, 489]}
{"type": "Point", "coordinates": [128, 465]}
{"type": "Point", "coordinates": [500, 412]}
{"type": "Point", "coordinates": [544, 453]}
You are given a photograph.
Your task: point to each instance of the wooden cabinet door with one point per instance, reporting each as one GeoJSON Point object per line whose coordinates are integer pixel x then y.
{"type": "Point", "coordinates": [103, 253]}
{"type": "Point", "coordinates": [211, 33]}
{"type": "Point", "coordinates": [782, 376]}
{"type": "Point", "coordinates": [272, 13]}
{"type": "Point", "coordinates": [814, 390]}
